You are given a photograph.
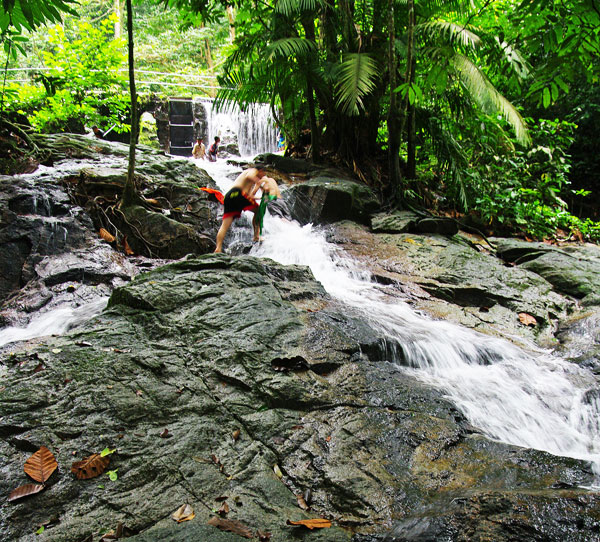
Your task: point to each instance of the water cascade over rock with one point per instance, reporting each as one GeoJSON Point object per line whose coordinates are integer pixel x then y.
{"type": "Point", "coordinates": [293, 392]}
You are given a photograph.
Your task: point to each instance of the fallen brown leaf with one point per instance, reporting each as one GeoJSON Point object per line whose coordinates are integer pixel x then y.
{"type": "Point", "coordinates": [318, 523]}
{"type": "Point", "coordinates": [224, 510]}
{"type": "Point", "coordinates": [41, 465]}
{"type": "Point", "coordinates": [126, 247]}
{"type": "Point", "coordinates": [302, 503]}
{"type": "Point", "coordinates": [106, 235]}
{"type": "Point", "coordinates": [24, 491]}
{"type": "Point", "coordinates": [527, 319]}
{"type": "Point", "coordinates": [230, 525]}
{"type": "Point", "coordinates": [263, 537]}
{"type": "Point", "coordinates": [184, 513]}
{"type": "Point", "coordinates": [236, 435]}
{"type": "Point", "coordinates": [90, 467]}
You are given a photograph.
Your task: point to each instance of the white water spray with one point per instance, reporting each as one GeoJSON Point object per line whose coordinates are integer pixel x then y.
{"type": "Point", "coordinates": [533, 400]}
{"type": "Point", "coordinates": [53, 322]}
{"type": "Point", "coordinates": [255, 129]}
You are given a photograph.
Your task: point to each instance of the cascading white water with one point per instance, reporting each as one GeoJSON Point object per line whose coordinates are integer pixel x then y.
{"type": "Point", "coordinates": [53, 322]}
{"type": "Point", "coordinates": [255, 129]}
{"type": "Point", "coordinates": [534, 400]}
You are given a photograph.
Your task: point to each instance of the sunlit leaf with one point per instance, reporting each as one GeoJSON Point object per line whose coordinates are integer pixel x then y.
{"type": "Point", "coordinates": [184, 513]}
{"type": "Point", "coordinates": [41, 465]}
{"type": "Point", "coordinates": [318, 523]}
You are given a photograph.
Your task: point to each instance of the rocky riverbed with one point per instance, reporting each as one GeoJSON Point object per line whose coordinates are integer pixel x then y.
{"type": "Point", "coordinates": [238, 386]}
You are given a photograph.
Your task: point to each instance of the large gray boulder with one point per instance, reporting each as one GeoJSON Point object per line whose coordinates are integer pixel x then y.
{"type": "Point", "coordinates": [324, 199]}
{"type": "Point", "coordinates": [239, 380]}
{"type": "Point", "coordinates": [572, 270]}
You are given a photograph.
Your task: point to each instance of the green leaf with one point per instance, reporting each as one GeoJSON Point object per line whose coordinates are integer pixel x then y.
{"type": "Point", "coordinates": [356, 79]}
{"type": "Point", "coordinates": [546, 97]}
{"type": "Point", "coordinates": [40, 530]}
{"type": "Point", "coordinates": [112, 474]}
{"type": "Point", "coordinates": [107, 451]}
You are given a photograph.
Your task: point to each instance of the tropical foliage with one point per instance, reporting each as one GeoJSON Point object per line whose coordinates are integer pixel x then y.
{"type": "Point", "coordinates": [472, 107]}
{"type": "Point", "coordinates": [84, 81]}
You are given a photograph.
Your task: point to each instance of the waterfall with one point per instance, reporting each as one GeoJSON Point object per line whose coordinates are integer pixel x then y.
{"type": "Point", "coordinates": [531, 399]}
{"type": "Point", "coordinates": [254, 127]}
{"type": "Point", "coordinates": [54, 322]}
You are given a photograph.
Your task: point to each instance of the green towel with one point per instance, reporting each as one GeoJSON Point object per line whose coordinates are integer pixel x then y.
{"type": "Point", "coordinates": [262, 209]}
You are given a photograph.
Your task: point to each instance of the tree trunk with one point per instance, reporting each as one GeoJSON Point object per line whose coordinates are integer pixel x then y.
{"type": "Point", "coordinates": [411, 158]}
{"type": "Point", "coordinates": [119, 5]}
{"type": "Point", "coordinates": [410, 53]}
{"type": "Point", "coordinates": [315, 136]}
{"type": "Point", "coordinates": [207, 55]}
{"type": "Point", "coordinates": [392, 120]}
{"type": "Point", "coordinates": [129, 192]}
{"type": "Point", "coordinates": [231, 19]}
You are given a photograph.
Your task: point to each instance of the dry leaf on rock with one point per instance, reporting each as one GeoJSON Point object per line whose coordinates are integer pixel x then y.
{"type": "Point", "coordinates": [318, 523]}
{"type": "Point", "coordinates": [41, 465]}
{"type": "Point", "coordinates": [106, 235]}
{"type": "Point", "coordinates": [527, 319]}
{"type": "Point", "coordinates": [90, 467]}
{"type": "Point", "coordinates": [263, 537]}
{"type": "Point", "coordinates": [184, 513]}
{"type": "Point", "coordinates": [230, 525]}
{"type": "Point", "coordinates": [224, 510]}
{"type": "Point", "coordinates": [126, 247]}
{"type": "Point", "coordinates": [236, 435]}
{"type": "Point", "coordinates": [24, 491]}
{"type": "Point", "coordinates": [302, 503]}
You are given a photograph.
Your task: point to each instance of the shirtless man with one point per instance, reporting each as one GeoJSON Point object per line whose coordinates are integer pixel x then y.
{"type": "Point", "coordinates": [241, 198]}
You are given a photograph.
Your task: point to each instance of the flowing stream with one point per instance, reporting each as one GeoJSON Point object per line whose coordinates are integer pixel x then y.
{"type": "Point", "coordinates": [531, 399]}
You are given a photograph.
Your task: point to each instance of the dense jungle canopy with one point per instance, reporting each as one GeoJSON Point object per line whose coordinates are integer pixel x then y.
{"type": "Point", "coordinates": [485, 110]}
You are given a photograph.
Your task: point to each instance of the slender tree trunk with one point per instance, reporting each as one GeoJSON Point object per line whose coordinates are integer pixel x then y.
{"type": "Point", "coordinates": [129, 192]}
{"type": "Point", "coordinates": [392, 120]}
{"type": "Point", "coordinates": [315, 136]}
{"type": "Point", "coordinates": [231, 19]}
{"type": "Point", "coordinates": [411, 158]}
{"type": "Point", "coordinates": [410, 53]}
{"type": "Point", "coordinates": [118, 8]}
{"type": "Point", "coordinates": [207, 55]}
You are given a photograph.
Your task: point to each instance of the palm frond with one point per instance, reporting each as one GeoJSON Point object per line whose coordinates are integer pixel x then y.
{"type": "Point", "coordinates": [356, 78]}
{"type": "Point", "coordinates": [489, 99]}
{"type": "Point", "coordinates": [291, 7]}
{"type": "Point", "coordinates": [514, 58]}
{"type": "Point", "coordinates": [429, 8]}
{"type": "Point", "coordinates": [287, 47]}
{"type": "Point", "coordinates": [454, 33]}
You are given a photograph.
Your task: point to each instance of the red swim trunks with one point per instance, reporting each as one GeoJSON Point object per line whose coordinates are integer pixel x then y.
{"type": "Point", "coordinates": [235, 202]}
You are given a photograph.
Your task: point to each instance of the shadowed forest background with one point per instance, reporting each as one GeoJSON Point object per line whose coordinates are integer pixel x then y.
{"type": "Point", "coordinates": [485, 111]}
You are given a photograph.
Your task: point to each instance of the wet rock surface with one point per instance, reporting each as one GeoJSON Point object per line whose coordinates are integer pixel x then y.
{"type": "Point", "coordinates": [459, 278]}
{"type": "Point", "coordinates": [50, 250]}
{"type": "Point", "coordinates": [232, 379]}
{"type": "Point", "coordinates": [239, 380]}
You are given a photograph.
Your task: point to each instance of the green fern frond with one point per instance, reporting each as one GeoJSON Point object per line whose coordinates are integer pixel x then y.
{"type": "Point", "coordinates": [454, 33]}
{"type": "Point", "coordinates": [356, 78]}
{"type": "Point", "coordinates": [489, 99]}
{"type": "Point", "coordinates": [287, 47]}
{"type": "Point", "coordinates": [291, 7]}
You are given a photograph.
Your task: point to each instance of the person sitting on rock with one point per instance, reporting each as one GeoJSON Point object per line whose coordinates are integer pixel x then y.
{"type": "Point", "coordinates": [240, 197]}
